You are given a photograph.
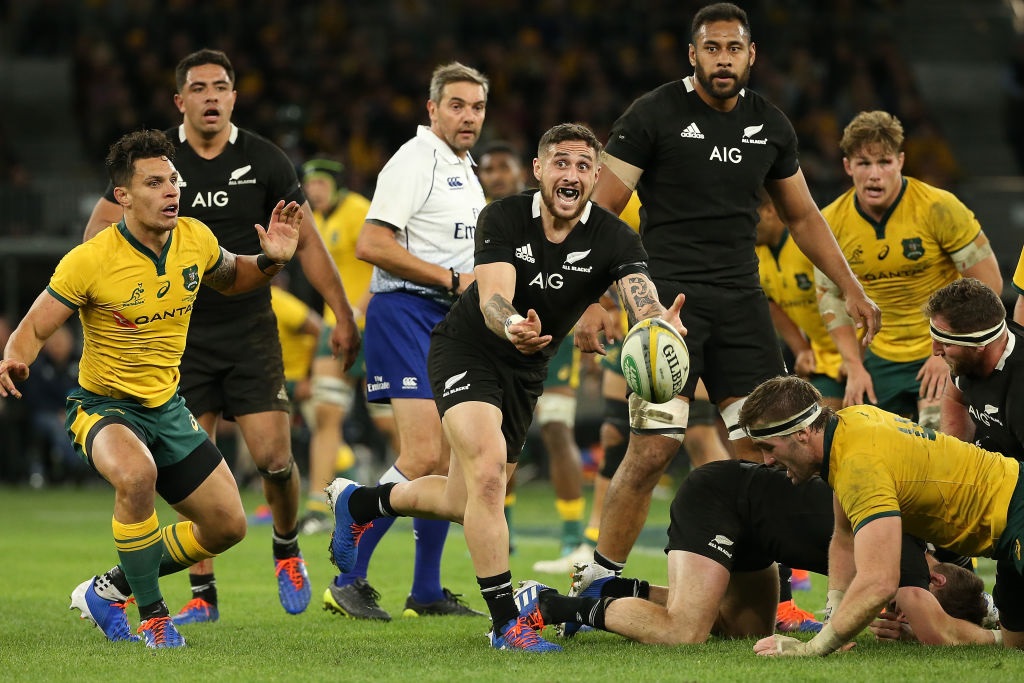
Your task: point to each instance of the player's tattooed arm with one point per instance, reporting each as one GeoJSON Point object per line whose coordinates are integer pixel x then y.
{"type": "Point", "coordinates": [223, 276]}
{"type": "Point", "coordinates": [496, 311]}
{"type": "Point", "coordinates": [640, 297]}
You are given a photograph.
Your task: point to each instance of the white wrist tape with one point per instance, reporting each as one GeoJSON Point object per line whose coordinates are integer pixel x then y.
{"type": "Point", "coordinates": [513, 319]}
{"type": "Point", "coordinates": [826, 641]}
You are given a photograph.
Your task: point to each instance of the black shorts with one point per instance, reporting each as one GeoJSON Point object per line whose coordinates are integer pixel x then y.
{"type": "Point", "coordinates": [729, 336]}
{"type": "Point", "coordinates": [746, 516]}
{"type": "Point", "coordinates": [1008, 595]}
{"type": "Point", "coordinates": [463, 371]}
{"type": "Point", "coordinates": [234, 367]}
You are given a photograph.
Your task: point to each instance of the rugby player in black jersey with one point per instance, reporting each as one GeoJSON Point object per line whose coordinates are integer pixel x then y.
{"type": "Point", "coordinates": [230, 179]}
{"type": "Point", "coordinates": [731, 521]}
{"type": "Point", "coordinates": [697, 150]}
{"type": "Point", "coordinates": [540, 259]}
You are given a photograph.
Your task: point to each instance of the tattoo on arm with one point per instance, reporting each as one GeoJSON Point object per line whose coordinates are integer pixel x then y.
{"type": "Point", "coordinates": [640, 298]}
{"type": "Point", "coordinates": [496, 311]}
{"type": "Point", "coordinates": [223, 276]}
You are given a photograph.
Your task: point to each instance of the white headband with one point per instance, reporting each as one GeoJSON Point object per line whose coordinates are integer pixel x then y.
{"type": "Point", "coordinates": [982, 338]}
{"type": "Point", "coordinates": [789, 425]}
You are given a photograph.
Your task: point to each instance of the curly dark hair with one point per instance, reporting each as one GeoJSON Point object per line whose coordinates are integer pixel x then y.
{"type": "Point", "coordinates": [140, 144]}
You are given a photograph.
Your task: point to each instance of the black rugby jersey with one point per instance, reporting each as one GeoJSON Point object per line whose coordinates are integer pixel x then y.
{"type": "Point", "coordinates": [701, 172]}
{"type": "Point", "coordinates": [558, 281]}
{"type": "Point", "coordinates": [231, 193]}
{"type": "Point", "coordinates": [996, 402]}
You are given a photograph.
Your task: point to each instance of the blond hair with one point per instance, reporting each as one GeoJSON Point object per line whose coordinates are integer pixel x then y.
{"type": "Point", "coordinates": [871, 128]}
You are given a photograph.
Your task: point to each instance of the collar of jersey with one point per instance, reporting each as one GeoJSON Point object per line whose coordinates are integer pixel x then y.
{"type": "Point", "coordinates": [830, 431]}
{"type": "Point", "coordinates": [690, 87]}
{"type": "Point", "coordinates": [441, 147]}
{"type": "Point", "coordinates": [159, 261]}
{"type": "Point", "coordinates": [879, 226]}
{"type": "Point", "coordinates": [535, 211]}
{"type": "Point", "coordinates": [231, 138]}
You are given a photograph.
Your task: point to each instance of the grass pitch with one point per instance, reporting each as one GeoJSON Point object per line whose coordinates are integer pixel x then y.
{"type": "Point", "coordinates": [54, 539]}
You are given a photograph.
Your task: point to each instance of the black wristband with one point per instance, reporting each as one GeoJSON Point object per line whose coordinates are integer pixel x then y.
{"type": "Point", "coordinates": [454, 289]}
{"type": "Point", "coordinates": [263, 262]}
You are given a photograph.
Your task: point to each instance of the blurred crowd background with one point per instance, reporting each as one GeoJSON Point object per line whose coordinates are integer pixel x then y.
{"type": "Point", "coordinates": [349, 79]}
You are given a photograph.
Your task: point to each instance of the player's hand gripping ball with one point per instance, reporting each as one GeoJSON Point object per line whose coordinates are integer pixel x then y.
{"type": "Point", "coordinates": [654, 360]}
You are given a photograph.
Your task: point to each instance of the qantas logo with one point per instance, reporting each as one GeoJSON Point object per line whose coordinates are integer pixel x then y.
{"type": "Point", "coordinates": [124, 322]}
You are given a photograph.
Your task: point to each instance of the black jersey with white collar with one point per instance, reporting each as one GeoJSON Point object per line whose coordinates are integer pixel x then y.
{"type": "Point", "coordinates": [558, 281]}
{"type": "Point", "coordinates": [702, 169]}
{"type": "Point", "coordinates": [996, 402]}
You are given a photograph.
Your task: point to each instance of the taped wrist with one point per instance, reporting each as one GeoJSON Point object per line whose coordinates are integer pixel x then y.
{"type": "Point", "coordinates": [826, 641]}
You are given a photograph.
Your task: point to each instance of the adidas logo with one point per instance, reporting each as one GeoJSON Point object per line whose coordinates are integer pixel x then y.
{"type": "Point", "coordinates": [525, 252]}
{"type": "Point", "coordinates": [692, 131]}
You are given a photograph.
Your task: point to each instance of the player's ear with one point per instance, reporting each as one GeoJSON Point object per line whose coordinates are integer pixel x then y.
{"type": "Point", "coordinates": [937, 579]}
{"type": "Point", "coordinates": [122, 197]}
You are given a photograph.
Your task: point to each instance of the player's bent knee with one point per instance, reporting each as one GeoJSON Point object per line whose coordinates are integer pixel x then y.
{"type": "Point", "coordinates": [556, 409]}
{"type": "Point", "coordinates": [332, 391]}
{"type": "Point", "coordinates": [281, 474]}
{"type": "Point", "coordinates": [662, 419]}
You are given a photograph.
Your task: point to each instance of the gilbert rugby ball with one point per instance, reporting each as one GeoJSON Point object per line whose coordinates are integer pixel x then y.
{"type": "Point", "coordinates": [654, 360]}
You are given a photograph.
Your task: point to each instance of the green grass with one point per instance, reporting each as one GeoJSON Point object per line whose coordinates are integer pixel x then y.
{"type": "Point", "coordinates": [52, 540]}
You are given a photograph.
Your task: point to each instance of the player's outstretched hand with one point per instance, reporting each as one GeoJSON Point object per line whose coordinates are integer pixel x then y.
{"type": "Point", "coordinates": [12, 371]}
{"type": "Point", "coordinates": [671, 315]}
{"type": "Point", "coordinates": [525, 335]}
{"type": "Point", "coordinates": [281, 237]}
{"type": "Point", "coordinates": [865, 315]}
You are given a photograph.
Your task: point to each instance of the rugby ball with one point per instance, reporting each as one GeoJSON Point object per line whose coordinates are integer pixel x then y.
{"type": "Point", "coordinates": [654, 360]}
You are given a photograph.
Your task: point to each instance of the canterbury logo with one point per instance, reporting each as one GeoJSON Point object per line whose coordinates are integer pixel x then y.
{"type": "Point", "coordinates": [575, 256]}
{"type": "Point", "coordinates": [752, 130]}
{"type": "Point", "coordinates": [239, 172]}
{"type": "Point", "coordinates": [453, 380]}
{"type": "Point", "coordinates": [692, 131]}
{"type": "Point", "coordinates": [454, 182]}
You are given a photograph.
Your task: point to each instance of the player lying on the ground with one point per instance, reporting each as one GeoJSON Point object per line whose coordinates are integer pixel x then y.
{"type": "Point", "coordinates": [730, 522]}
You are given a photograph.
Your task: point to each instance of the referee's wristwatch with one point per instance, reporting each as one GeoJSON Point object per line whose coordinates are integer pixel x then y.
{"type": "Point", "coordinates": [454, 289]}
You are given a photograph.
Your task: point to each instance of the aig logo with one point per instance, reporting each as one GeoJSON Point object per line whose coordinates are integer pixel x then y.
{"type": "Point", "coordinates": [208, 199]}
{"type": "Point", "coordinates": [730, 155]}
{"type": "Point", "coordinates": [552, 281]}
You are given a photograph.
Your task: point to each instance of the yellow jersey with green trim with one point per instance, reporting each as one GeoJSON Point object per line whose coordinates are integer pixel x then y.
{"type": "Point", "coordinates": [340, 231]}
{"type": "Point", "coordinates": [135, 307]}
{"type": "Point", "coordinates": [949, 492]}
{"type": "Point", "coordinates": [902, 259]}
{"type": "Point", "coordinates": [296, 346]}
{"type": "Point", "coordinates": [787, 278]}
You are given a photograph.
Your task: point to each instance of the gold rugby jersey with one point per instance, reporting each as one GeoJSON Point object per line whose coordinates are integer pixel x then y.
{"type": "Point", "coordinates": [340, 231]}
{"type": "Point", "coordinates": [135, 307]}
{"type": "Point", "coordinates": [946, 491]}
{"type": "Point", "coordinates": [902, 259]}
{"type": "Point", "coordinates": [787, 278]}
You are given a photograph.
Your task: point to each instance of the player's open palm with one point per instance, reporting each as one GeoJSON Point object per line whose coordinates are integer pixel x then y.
{"type": "Point", "coordinates": [281, 236]}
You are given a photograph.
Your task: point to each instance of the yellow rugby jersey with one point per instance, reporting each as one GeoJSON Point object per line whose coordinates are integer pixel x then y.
{"type": "Point", "coordinates": [296, 346]}
{"type": "Point", "coordinates": [946, 491]}
{"type": "Point", "coordinates": [1018, 275]}
{"type": "Point", "coordinates": [787, 278]}
{"type": "Point", "coordinates": [901, 260]}
{"type": "Point", "coordinates": [135, 307]}
{"type": "Point", "coordinates": [340, 231]}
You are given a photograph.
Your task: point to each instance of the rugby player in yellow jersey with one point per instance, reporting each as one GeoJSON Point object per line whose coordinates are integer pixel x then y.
{"type": "Point", "coordinates": [339, 214]}
{"type": "Point", "coordinates": [903, 239]}
{"type": "Point", "coordinates": [889, 476]}
{"type": "Point", "coordinates": [787, 278]}
{"type": "Point", "coordinates": [133, 287]}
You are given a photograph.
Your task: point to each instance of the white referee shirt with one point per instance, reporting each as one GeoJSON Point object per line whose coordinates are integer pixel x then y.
{"type": "Point", "coordinates": [432, 198]}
